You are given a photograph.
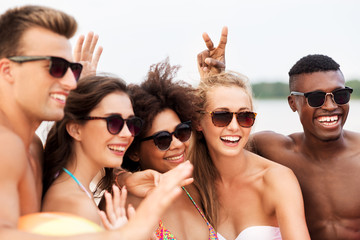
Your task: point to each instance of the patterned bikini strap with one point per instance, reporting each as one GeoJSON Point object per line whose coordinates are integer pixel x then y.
{"type": "Point", "coordinates": [213, 235]}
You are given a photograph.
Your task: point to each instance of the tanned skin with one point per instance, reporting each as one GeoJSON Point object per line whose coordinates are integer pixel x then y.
{"type": "Point", "coordinates": [324, 157]}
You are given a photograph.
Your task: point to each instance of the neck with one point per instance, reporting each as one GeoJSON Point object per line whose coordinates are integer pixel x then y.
{"type": "Point", "coordinates": [323, 149]}
{"type": "Point", "coordinates": [19, 123]}
{"type": "Point", "coordinates": [230, 167]}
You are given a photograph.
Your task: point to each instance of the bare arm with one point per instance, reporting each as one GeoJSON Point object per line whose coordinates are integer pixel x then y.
{"type": "Point", "coordinates": [269, 144]}
{"type": "Point", "coordinates": [285, 195]}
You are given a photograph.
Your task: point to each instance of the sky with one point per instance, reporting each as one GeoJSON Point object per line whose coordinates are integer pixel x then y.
{"type": "Point", "coordinates": [265, 37]}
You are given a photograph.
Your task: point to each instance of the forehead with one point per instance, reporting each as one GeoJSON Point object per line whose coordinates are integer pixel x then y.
{"type": "Point", "coordinates": [114, 103]}
{"type": "Point", "coordinates": [323, 81]}
{"type": "Point", "coordinates": [38, 41]}
{"type": "Point", "coordinates": [165, 120]}
{"type": "Point", "coordinates": [232, 98]}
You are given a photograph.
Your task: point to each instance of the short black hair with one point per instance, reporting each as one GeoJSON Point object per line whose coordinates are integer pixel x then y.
{"type": "Point", "coordinates": [310, 64]}
{"type": "Point", "coordinates": [314, 63]}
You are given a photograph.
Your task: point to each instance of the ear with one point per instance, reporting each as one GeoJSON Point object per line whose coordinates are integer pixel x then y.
{"type": "Point", "coordinates": [5, 70]}
{"type": "Point", "coordinates": [74, 130]}
{"type": "Point", "coordinates": [197, 126]}
{"type": "Point", "coordinates": [134, 156]}
{"type": "Point", "coordinates": [292, 103]}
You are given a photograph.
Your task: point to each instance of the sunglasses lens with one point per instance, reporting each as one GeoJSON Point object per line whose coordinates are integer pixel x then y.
{"type": "Point", "coordinates": [115, 124]}
{"type": "Point", "coordinates": [245, 119]}
{"type": "Point", "coordinates": [134, 124]}
{"type": "Point", "coordinates": [163, 140]}
{"type": "Point", "coordinates": [58, 67]}
{"type": "Point", "coordinates": [316, 99]}
{"type": "Point", "coordinates": [342, 96]}
{"type": "Point", "coordinates": [76, 68]}
{"type": "Point", "coordinates": [183, 132]}
{"type": "Point", "coordinates": [221, 118]}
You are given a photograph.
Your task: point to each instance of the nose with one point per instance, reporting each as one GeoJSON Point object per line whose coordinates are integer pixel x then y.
{"type": "Point", "coordinates": [233, 125]}
{"type": "Point", "coordinates": [175, 143]}
{"type": "Point", "coordinates": [68, 81]}
{"type": "Point", "coordinates": [125, 132]}
{"type": "Point", "coordinates": [329, 103]}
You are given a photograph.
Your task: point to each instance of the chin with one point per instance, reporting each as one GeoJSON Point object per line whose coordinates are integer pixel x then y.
{"type": "Point", "coordinates": [329, 137]}
{"type": "Point", "coordinates": [54, 116]}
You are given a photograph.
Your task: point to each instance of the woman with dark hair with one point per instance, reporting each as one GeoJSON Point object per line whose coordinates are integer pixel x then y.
{"type": "Point", "coordinates": [167, 107]}
{"type": "Point", "coordinates": [98, 127]}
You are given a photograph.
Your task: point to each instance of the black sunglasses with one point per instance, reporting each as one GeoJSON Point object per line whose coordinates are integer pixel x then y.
{"type": "Point", "coordinates": [224, 118]}
{"type": "Point", "coordinates": [115, 124]}
{"type": "Point", "coordinates": [317, 98]}
{"type": "Point", "coordinates": [58, 65]}
{"type": "Point", "coordinates": [163, 139]}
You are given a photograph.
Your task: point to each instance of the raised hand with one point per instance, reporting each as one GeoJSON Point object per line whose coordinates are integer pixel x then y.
{"type": "Point", "coordinates": [154, 205]}
{"type": "Point", "coordinates": [212, 60]}
{"type": "Point", "coordinates": [84, 53]}
{"type": "Point", "coordinates": [115, 216]}
{"type": "Point", "coordinates": [139, 183]}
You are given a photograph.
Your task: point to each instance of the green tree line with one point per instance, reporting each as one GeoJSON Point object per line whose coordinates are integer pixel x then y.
{"type": "Point", "coordinates": [275, 90]}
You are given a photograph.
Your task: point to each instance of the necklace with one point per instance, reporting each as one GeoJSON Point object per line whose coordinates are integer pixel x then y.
{"type": "Point", "coordinates": [78, 182]}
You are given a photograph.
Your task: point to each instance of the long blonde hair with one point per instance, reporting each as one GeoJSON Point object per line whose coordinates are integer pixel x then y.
{"type": "Point", "coordinates": [205, 172]}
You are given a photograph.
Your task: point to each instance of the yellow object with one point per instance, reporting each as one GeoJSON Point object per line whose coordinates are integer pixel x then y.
{"type": "Point", "coordinates": [57, 224]}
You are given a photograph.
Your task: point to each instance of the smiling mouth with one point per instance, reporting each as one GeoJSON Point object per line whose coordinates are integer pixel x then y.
{"type": "Point", "coordinates": [59, 97]}
{"type": "Point", "coordinates": [175, 158]}
{"type": "Point", "coordinates": [229, 139]}
{"type": "Point", "coordinates": [328, 120]}
{"type": "Point", "coordinates": [116, 148]}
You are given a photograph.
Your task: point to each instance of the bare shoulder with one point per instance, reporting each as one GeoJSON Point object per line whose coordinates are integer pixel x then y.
{"type": "Point", "coordinates": [77, 203]}
{"type": "Point", "coordinates": [352, 137]}
{"type": "Point", "coordinates": [268, 143]}
{"type": "Point", "coordinates": [13, 153]}
{"type": "Point", "coordinates": [278, 174]}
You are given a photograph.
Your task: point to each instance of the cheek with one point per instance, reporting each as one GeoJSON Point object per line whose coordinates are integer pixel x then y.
{"type": "Point", "coordinates": [150, 155]}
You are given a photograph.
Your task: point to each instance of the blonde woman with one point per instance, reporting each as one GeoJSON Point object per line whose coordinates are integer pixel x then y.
{"type": "Point", "coordinates": [245, 196]}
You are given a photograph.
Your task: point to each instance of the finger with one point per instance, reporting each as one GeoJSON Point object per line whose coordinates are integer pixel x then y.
{"type": "Point", "coordinates": [86, 48]}
{"type": "Point", "coordinates": [104, 220]}
{"type": "Point", "coordinates": [157, 178]}
{"type": "Point", "coordinates": [187, 181]}
{"type": "Point", "coordinates": [123, 201]}
{"type": "Point", "coordinates": [208, 42]}
{"type": "Point", "coordinates": [215, 63]}
{"type": "Point", "coordinates": [206, 69]}
{"type": "Point", "coordinates": [109, 207]}
{"type": "Point", "coordinates": [93, 43]}
{"type": "Point", "coordinates": [96, 57]}
{"type": "Point", "coordinates": [131, 211]}
{"type": "Point", "coordinates": [223, 38]}
{"type": "Point", "coordinates": [117, 201]}
{"type": "Point", "coordinates": [201, 58]}
{"type": "Point", "coordinates": [78, 48]}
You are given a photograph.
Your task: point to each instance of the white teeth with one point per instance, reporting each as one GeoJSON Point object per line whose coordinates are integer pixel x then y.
{"type": "Point", "coordinates": [116, 148]}
{"type": "Point", "coordinates": [230, 139]}
{"type": "Point", "coordinates": [175, 158]}
{"type": "Point", "coordinates": [327, 119]}
{"type": "Point", "coordinates": [60, 97]}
